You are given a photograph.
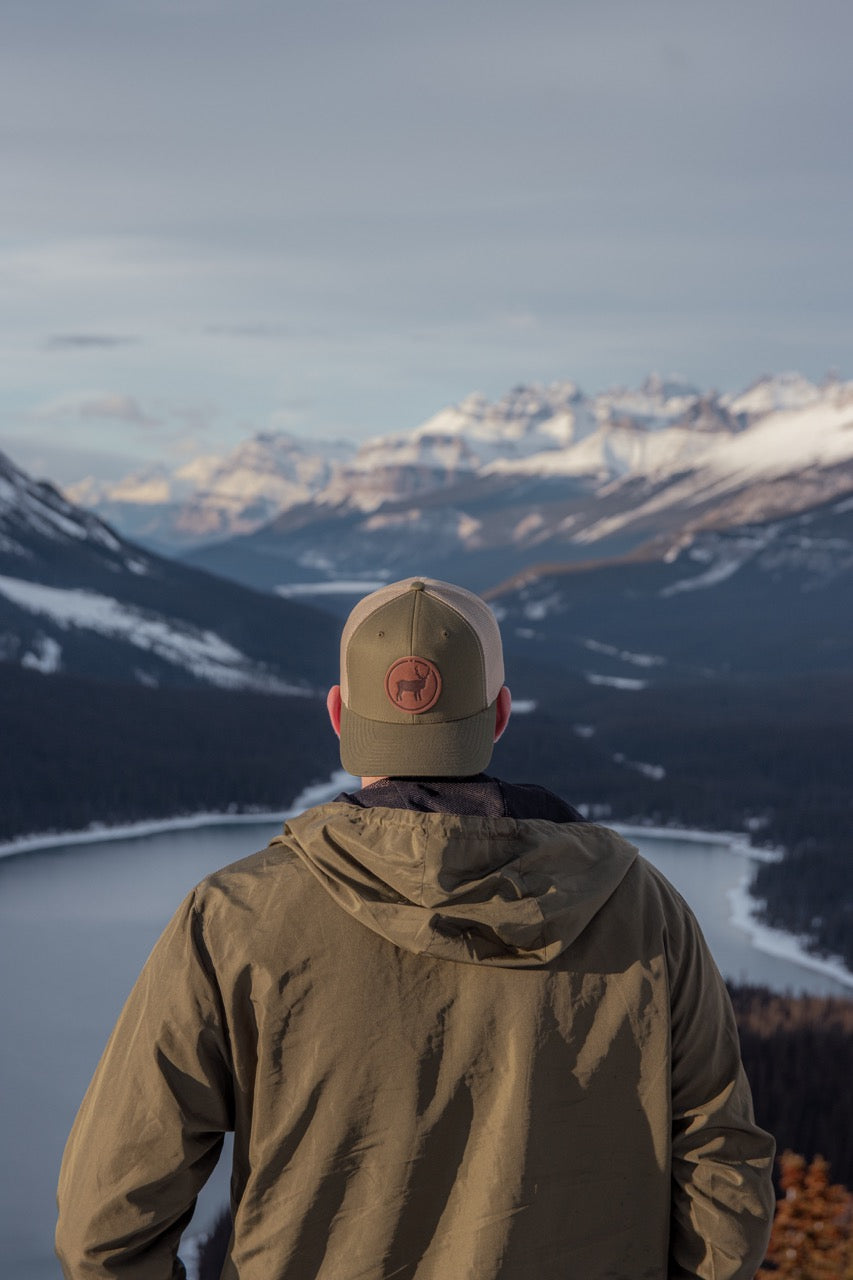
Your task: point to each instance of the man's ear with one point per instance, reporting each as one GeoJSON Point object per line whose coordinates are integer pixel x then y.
{"type": "Point", "coordinates": [502, 710]}
{"type": "Point", "coordinates": [333, 706]}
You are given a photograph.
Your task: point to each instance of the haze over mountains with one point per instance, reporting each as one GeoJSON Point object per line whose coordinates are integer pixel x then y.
{"type": "Point", "coordinates": [487, 489]}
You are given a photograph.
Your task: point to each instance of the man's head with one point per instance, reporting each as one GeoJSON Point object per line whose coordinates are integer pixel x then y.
{"type": "Point", "coordinates": [422, 691]}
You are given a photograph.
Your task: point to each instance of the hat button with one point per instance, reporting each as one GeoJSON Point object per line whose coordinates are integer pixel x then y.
{"type": "Point", "coordinates": [416, 586]}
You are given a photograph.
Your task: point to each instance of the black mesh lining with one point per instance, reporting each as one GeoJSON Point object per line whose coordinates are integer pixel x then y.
{"type": "Point", "coordinates": [479, 796]}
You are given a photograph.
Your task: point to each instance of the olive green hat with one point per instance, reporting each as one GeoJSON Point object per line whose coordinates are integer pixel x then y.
{"type": "Point", "coordinates": [421, 669]}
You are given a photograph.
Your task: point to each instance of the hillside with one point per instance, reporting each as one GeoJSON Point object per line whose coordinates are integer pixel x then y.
{"type": "Point", "coordinates": [76, 597]}
{"type": "Point", "coordinates": [712, 689]}
{"type": "Point", "coordinates": [704, 681]}
{"type": "Point", "coordinates": [90, 752]}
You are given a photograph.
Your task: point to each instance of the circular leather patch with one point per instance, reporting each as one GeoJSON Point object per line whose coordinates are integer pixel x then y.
{"type": "Point", "coordinates": [413, 684]}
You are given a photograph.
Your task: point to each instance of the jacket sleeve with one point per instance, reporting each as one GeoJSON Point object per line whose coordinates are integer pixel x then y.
{"type": "Point", "coordinates": [722, 1163]}
{"type": "Point", "coordinates": [150, 1128]}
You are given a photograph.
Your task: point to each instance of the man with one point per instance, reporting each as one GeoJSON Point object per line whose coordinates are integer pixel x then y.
{"type": "Point", "coordinates": [458, 1032]}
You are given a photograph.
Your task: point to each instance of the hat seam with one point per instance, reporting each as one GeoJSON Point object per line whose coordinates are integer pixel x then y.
{"type": "Point", "coordinates": [475, 633]}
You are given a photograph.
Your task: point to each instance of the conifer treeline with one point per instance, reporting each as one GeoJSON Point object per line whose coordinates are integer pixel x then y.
{"type": "Point", "coordinates": [798, 1055]}
{"type": "Point", "coordinates": [76, 752]}
{"type": "Point", "coordinates": [737, 755]}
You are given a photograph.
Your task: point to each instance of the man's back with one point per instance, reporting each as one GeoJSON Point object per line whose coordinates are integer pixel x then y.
{"type": "Point", "coordinates": [450, 1046]}
{"type": "Point", "coordinates": [459, 1033]}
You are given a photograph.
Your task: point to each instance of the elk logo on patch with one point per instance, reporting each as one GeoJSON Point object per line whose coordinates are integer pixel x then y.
{"type": "Point", "coordinates": [413, 684]}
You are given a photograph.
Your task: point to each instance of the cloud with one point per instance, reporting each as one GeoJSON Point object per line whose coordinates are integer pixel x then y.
{"type": "Point", "coordinates": [96, 406]}
{"type": "Point", "coordinates": [258, 330]}
{"type": "Point", "coordinates": [84, 341]}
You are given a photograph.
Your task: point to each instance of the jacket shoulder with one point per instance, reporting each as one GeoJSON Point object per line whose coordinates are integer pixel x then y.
{"type": "Point", "coordinates": [268, 881]}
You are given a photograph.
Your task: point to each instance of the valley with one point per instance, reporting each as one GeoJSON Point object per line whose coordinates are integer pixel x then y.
{"type": "Point", "coordinates": [676, 608]}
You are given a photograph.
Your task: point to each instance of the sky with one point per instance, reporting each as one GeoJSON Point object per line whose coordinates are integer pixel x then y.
{"type": "Point", "coordinates": [334, 219]}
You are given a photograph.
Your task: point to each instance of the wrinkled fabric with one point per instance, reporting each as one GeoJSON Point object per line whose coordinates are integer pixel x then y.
{"type": "Point", "coordinates": [450, 1048]}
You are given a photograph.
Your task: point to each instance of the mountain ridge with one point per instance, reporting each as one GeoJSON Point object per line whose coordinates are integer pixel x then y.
{"type": "Point", "coordinates": [77, 597]}
{"type": "Point", "coordinates": [536, 431]}
{"type": "Point", "coordinates": [483, 489]}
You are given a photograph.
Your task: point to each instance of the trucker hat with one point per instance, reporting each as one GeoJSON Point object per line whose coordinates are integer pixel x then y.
{"type": "Point", "coordinates": [421, 669]}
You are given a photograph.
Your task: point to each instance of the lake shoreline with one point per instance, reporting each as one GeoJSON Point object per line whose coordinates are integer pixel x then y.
{"type": "Point", "coordinates": [743, 906]}
{"type": "Point", "coordinates": [315, 794]}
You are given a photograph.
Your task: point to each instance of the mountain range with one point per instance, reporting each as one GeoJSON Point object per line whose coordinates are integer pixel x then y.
{"type": "Point", "coordinates": [484, 490]}
{"type": "Point", "coordinates": [702, 674]}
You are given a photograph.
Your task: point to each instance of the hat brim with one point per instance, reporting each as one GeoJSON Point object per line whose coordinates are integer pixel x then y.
{"type": "Point", "coordinates": [449, 749]}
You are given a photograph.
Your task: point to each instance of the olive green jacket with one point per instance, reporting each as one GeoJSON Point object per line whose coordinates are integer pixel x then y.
{"type": "Point", "coordinates": [450, 1048]}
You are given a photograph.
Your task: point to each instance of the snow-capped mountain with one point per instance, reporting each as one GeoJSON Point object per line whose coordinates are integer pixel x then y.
{"type": "Point", "coordinates": [77, 598]}
{"type": "Point", "coordinates": [484, 491]}
{"type": "Point", "coordinates": [215, 496]}
{"type": "Point", "coordinates": [531, 430]}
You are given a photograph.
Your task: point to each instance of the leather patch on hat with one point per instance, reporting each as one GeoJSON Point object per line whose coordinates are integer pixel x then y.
{"type": "Point", "coordinates": [413, 684]}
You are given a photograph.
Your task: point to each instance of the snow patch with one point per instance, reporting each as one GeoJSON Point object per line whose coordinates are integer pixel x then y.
{"type": "Point", "coordinates": [523, 706]}
{"type": "Point", "coordinates": [13, 548]}
{"type": "Point", "coordinates": [338, 586]}
{"type": "Point", "coordinates": [528, 525]}
{"type": "Point", "coordinates": [782, 391]}
{"type": "Point", "coordinates": [716, 574]}
{"type": "Point", "coordinates": [615, 682]}
{"type": "Point", "coordinates": [537, 610]}
{"type": "Point", "coordinates": [467, 529]}
{"type": "Point", "coordinates": [8, 493]}
{"type": "Point", "coordinates": [636, 659]}
{"type": "Point", "coordinates": [655, 771]}
{"type": "Point", "coordinates": [776, 942]}
{"type": "Point", "coordinates": [203, 653]}
{"type": "Point", "coordinates": [393, 520]}
{"type": "Point", "coordinates": [45, 655]}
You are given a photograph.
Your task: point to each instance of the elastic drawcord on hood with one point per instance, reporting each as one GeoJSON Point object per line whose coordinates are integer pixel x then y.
{"type": "Point", "coordinates": [477, 890]}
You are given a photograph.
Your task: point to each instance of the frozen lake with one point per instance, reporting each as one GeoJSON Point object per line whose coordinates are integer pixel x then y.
{"type": "Point", "coordinates": [76, 923]}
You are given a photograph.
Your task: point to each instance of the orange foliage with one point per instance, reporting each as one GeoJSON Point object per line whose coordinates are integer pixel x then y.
{"type": "Point", "coordinates": [812, 1237]}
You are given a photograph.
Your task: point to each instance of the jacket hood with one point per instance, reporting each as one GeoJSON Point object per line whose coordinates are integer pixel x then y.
{"type": "Point", "coordinates": [496, 891]}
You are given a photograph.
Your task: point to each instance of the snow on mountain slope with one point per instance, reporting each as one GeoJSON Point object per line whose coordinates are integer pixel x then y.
{"type": "Point", "coordinates": [818, 434]}
{"type": "Point", "coordinates": [265, 475]}
{"type": "Point", "coordinates": [611, 452]}
{"type": "Point", "coordinates": [656, 403]}
{"type": "Point", "coordinates": [757, 599]}
{"type": "Point", "coordinates": [216, 495]}
{"type": "Point", "coordinates": [801, 443]}
{"type": "Point", "coordinates": [620, 468]}
{"type": "Point", "coordinates": [782, 391]}
{"type": "Point", "coordinates": [29, 506]}
{"type": "Point", "coordinates": [458, 442]}
{"type": "Point", "coordinates": [76, 597]}
{"type": "Point", "coordinates": [202, 653]}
